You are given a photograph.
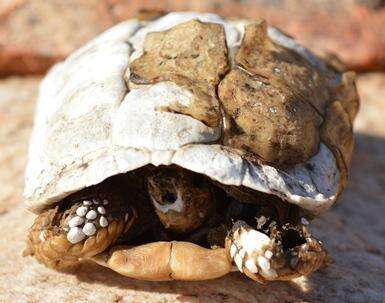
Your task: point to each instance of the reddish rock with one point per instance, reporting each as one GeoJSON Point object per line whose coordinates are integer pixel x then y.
{"type": "Point", "coordinates": [371, 88]}
{"type": "Point", "coordinates": [352, 29]}
{"type": "Point", "coordinates": [7, 6]}
{"type": "Point", "coordinates": [34, 34]}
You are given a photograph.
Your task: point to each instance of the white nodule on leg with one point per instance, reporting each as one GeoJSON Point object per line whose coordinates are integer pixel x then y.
{"type": "Point", "coordinates": [269, 274]}
{"type": "Point", "coordinates": [75, 235]}
{"type": "Point", "coordinates": [233, 250]}
{"type": "Point", "coordinates": [75, 221]}
{"type": "Point", "coordinates": [239, 262]}
{"type": "Point", "coordinates": [91, 215]}
{"type": "Point", "coordinates": [254, 241]}
{"type": "Point", "coordinates": [263, 263]}
{"type": "Point", "coordinates": [101, 210]}
{"type": "Point", "coordinates": [89, 229]}
{"type": "Point", "coordinates": [268, 254]}
{"type": "Point", "coordinates": [304, 221]}
{"type": "Point", "coordinates": [250, 265]}
{"type": "Point", "coordinates": [103, 221]}
{"type": "Point", "coordinates": [81, 211]}
{"type": "Point", "coordinates": [42, 236]}
{"type": "Point", "coordinates": [87, 202]}
{"type": "Point", "coordinates": [251, 249]}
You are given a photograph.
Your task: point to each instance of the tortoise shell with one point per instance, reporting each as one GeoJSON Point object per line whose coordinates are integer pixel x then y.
{"type": "Point", "coordinates": [235, 100]}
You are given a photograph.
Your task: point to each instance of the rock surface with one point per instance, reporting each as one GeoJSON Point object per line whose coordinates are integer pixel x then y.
{"type": "Point", "coordinates": [324, 26]}
{"type": "Point", "coordinates": [353, 230]}
{"type": "Point", "coordinates": [34, 34]}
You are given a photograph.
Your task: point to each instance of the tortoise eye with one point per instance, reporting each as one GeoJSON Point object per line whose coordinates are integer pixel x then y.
{"type": "Point", "coordinates": [169, 197]}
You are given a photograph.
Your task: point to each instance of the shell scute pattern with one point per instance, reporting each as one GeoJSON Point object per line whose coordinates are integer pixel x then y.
{"type": "Point", "coordinates": [233, 100]}
{"type": "Point", "coordinates": [178, 108]}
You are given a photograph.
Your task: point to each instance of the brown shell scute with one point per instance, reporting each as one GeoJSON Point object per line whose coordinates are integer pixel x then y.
{"type": "Point", "coordinates": [276, 127]}
{"type": "Point", "coordinates": [337, 133]}
{"type": "Point", "coordinates": [283, 67]}
{"type": "Point", "coordinates": [346, 93]}
{"type": "Point", "coordinates": [197, 61]}
{"type": "Point", "coordinates": [276, 101]}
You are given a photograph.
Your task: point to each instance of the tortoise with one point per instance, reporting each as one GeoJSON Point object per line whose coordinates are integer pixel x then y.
{"type": "Point", "coordinates": [188, 146]}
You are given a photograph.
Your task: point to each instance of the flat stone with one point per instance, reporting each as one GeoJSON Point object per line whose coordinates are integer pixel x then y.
{"type": "Point", "coordinates": [352, 230]}
{"type": "Point", "coordinates": [29, 47]}
{"type": "Point", "coordinates": [36, 34]}
{"type": "Point", "coordinates": [326, 26]}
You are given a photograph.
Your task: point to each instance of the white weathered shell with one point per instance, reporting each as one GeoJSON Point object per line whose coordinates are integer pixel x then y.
{"type": "Point", "coordinates": [89, 127]}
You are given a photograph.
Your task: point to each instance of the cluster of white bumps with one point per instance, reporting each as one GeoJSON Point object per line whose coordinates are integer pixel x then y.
{"type": "Point", "coordinates": [251, 249]}
{"type": "Point", "coordinates": [87, 219]}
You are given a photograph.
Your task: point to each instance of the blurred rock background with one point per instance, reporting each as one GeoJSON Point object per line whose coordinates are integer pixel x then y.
{"type": "Point", "coordinates": [34, 34]}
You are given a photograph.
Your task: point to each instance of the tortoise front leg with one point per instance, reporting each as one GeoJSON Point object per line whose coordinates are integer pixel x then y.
{"type": "Point", "coordinates": [80, 226]}
{"type": "Point", "coordinates": [275, 252]}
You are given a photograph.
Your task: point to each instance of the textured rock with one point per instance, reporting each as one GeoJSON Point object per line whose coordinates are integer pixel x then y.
{"type": "Point", "coordinates": [15, 124]}
{"type": "Point", "coordinates": [353, 230]}
{"type": "Point", "coordinates": [353, 29]}
{"type": "Point", "coordinates": [34, 34]}
{"type": "Point", "coordinates": [372, 90]}
{"type": "Point", "coordinates": [7, 6]}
